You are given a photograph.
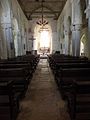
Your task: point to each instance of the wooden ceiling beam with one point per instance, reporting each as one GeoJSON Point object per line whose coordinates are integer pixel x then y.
{"type": "Point", "coordinates": [29, 14]}
{"type": "Point", "coordinates": [40, 17]}
{"type": "Point", "coordinates": [44, 12]}
{"type": "Point", "coordinates": [57, 1]}
{"type": "Point", "coordinates": [34, 10]}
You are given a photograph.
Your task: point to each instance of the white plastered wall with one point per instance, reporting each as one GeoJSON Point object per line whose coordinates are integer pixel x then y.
{"type": "Point", "coordinates": [63, 28]}
{"type": "Point", "coordinates": [9, 10]}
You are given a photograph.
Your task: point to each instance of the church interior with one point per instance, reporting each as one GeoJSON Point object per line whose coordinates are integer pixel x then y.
{"type": "Point", "coordinates": [44, 59]}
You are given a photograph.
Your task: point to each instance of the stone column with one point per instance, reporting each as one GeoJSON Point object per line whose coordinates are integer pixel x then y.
{"type": "Point", "coordinates": [88, 17]}
{"type": "Point", "coordinates": [66, 42]}
{"type": "Point", "coordinates": [55, 41]}
{"type": "Point", "coordinates": [76, 27]}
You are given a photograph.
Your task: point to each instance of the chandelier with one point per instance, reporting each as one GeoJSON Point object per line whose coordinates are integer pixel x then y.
{"type": "Point", "coordinates": [42, 22]}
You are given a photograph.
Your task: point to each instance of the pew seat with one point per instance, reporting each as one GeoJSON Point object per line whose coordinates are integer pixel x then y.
{"type": "Point", "coordinates": [19, 76]}
{"type": "Point", "coordinates": [9, 101]}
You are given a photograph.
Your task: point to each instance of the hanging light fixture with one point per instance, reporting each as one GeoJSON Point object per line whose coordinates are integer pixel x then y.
{"type": "Point", "coordinates": [42, 22]}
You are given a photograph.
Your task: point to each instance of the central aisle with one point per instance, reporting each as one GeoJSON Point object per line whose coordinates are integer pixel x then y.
{"type": "Point", "coordinates": [43, 101]}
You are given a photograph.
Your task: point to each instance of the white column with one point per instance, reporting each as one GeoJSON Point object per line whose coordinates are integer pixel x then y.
{"type": "Point", "coordinates": [76, 39]}
{"type": "Point", "coordinates": [88, 17]}
{"type": "Point", "coordinates": [76, 27]}
{"type": "Point", "coordinates": [66, 42]}
{"type": "Point", "coordinates": [55, 42]}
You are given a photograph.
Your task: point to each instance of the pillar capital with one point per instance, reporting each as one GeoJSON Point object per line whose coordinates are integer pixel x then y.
{"type": "Point", "coordinates": [87, 11]}
{"type": "Point", "coordinates": [76, 27]}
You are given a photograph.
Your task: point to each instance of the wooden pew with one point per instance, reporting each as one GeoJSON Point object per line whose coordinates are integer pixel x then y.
{"type": "Point", "coordinates": [60, 66]}
{"type": "Point", "coordinates": [20, 69]}
{"type": "Point", "coordinates": [26, 66]}
{"type": "Point", "coordinates": [65, 77]}
{"type": "Point", "coordinates": [19, 76]}
{"type": "Point", "coordinates": [30, 59]}
{"type": "Point", "coordinates": [73, 79]}
{"type": "Point", "coordinates": [79, 101]}
{"type": "Point", "coordinates": [9, 101]}
{"type": "Point", "coordinates": [59, 59]}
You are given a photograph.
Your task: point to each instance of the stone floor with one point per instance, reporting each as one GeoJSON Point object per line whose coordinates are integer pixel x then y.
{"type": "Point", "coordinates": [43, 100]}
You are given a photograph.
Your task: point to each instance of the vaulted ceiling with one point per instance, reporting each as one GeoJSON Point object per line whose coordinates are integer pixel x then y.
{"type": "Point", "coordinates": [33, 8]}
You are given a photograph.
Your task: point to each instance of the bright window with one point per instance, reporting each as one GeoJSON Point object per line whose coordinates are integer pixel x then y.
{"type": "Point", "coordinates": [44, 39]}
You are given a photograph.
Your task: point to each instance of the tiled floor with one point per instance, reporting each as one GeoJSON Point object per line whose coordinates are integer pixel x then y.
{"type": "Point", "coordinates": [43, 101]}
